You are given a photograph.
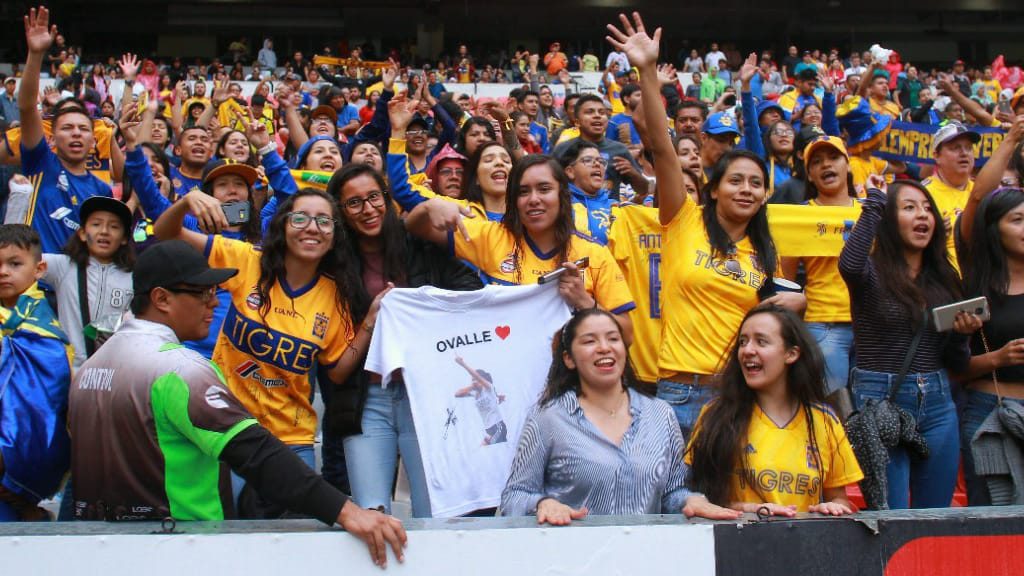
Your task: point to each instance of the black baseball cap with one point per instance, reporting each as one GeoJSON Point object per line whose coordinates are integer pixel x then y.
{"type": "Point", "coordinates": [107, 204]}
{"type": "Point", "coordinates": [173, 262]}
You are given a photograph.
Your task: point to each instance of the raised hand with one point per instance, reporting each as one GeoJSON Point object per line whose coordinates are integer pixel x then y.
{"type": "Point", "coordinates": [400, 111]}
{"type": "Point", "coordinates": [39, 34]}
{"type": "Point", "coordinates": [129, 64]}
{"type": "Point", "coordinates": [129, 125]}
{"type": "Point", "coordinates": [389, 74]}
{"type": "Point", "coordinates": [748, 70]}
{"type": "Point", "coordinates": [257, 134]}
{"type": "Point", "coordinates": [50, 96]}
{"type": "Point", "coordinates": [632, 39]}
{"type": "Point", "coordinates": [667, 74]}
{"type": "Point", "coordinates": [826, 82]}
{"type": "Point", "coordinates": [181, 91]}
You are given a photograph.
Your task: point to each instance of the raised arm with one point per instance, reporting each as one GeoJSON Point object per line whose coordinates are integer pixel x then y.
{"type": "Point", "coordinates": [642, 51]}
{"type": "Point", "coordinates": [287, 103]}
{"type": "Point", "coordinates": [39, 36]}
{"type": "Point", "coordinates": [751, 127]}
{"type": "Point", "coordinates": [991, 175]}
{"type": "Point", "coordinates": [970, 106]}
{"type": "Point", "coordinates": [855, 258]}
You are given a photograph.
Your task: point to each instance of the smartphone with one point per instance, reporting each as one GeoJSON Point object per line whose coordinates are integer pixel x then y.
{"type": "Point", "coordinates": [236, 212]}
{"type": "Point", "coordinates": [556, 274]}
{"type": "Point", "coordinates": [943, 316]}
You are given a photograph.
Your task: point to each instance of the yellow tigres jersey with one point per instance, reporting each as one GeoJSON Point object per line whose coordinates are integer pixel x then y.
{"type": "Point", "coordinates": [491, 251]}
{"type": "Point", "coordinates": [98, 162]}
{"type": "Point", "coordinates": [635, 242]}
{"type": "Point", "coordinates": [779, 465]}
{"type": "Point", "coordinates": [950, 202]}
{"type": "Point", "coordinates": [570, 133]}
{"type": "Point", "coordinates": [861, 169]}
{"type": "Point", "coordinates": [704, 299]}
{"type": "Point", "coordinates": [269, 364]}
{"type": "Point", "coordinates": [828, 299]}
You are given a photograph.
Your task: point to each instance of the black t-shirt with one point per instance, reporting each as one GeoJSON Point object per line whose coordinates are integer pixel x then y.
{"type": "Point", "coordinates": [789, 63]}
{"type": "Point", "coordinates": [1006, 324]}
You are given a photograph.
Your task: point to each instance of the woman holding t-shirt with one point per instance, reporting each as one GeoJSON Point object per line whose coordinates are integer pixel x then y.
{"type": "Point", "coordinates": [536, 236]}
{"type": "Point", "coordinates": [724, 260]}
{"type": "Point", "coordinates": [376, 422]}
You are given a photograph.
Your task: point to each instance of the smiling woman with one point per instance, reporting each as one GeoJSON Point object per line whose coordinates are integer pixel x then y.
{"type": "Point", "coordinates": [301, 268]}
{"type": "Point", "coordinates": [578, 437]}
{"type": "Point", "coordinates": [375, 423]}
{"type": "Point", "coordinates": [536, 236]}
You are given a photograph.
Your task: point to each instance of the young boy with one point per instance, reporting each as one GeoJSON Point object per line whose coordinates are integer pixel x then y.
{"type": "Point", "coordinates": [35, 371]}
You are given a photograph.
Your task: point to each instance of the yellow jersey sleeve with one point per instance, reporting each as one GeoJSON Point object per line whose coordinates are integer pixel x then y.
{"type": "Point", "coordinates": [604, 280]}
{"type": "Point", "coordinates": [224, 252]}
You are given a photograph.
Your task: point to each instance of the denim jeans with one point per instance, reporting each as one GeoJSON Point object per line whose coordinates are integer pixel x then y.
{"type": "Point", "coordinates": [388, 430]}
{"type": "Point", "coordinates": [686, 401]}
{"type": "Point", "coordinates": [979, 406]}
{"type": "Point", "coordinates": [836, 342]}
{"type": "Point", "coordinates": [924, 483]}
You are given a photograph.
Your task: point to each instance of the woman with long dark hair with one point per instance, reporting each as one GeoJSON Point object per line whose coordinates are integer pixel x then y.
{"type": "Point", "coordinates": [724, 259]}
{"type": "Point", "coordinates": [768, 439]}
{"type": "Point", "coordinates": [897, 269]}
{"type": "Point", "coordinates": [577, 438]}
{"type": "Point", "coordinates": [288, 310]}
{"type": "Point", "coordinates": [536, 236]}
{"type": "Point", "coordinates": [992, 256]}
{"type": "Point", "coordinates": [376, 422]}
{"type": "Point", "coordinates": [993, 265]}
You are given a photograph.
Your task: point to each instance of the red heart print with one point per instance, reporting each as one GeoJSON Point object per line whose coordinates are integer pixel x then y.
{"type": "Point", "coordinates": [502, 331]}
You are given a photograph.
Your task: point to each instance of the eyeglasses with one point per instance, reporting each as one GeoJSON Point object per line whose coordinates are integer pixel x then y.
{"type": "Point", "coordinates": [205, 295]}
{"type": "Point", "coordinates": [415, 132]}
{"type": "Point", "coordinates": [783, 132]}
{"type": "Point", "coordinates": [323, 120]}
{"type": "Point", "coordinates": [357, 205]}
{"type": "Point", "coordinates": [589, 161]}
{"type": "Point", "coordinates": [451, 172]}
{"type": "Point", "coordinates": [301, 220]}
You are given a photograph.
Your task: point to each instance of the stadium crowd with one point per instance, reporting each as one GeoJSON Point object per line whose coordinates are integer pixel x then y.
{"type": "Point", "coordinates": [754, 290]}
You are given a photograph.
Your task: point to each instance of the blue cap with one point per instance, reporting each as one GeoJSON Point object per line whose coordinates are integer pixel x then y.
{"type": "Point", "coordinates": [766, 105]}
{"type": "Point", "coordinates": [300, 157]}
{"type": "Point", "coordinates": [720, 123]}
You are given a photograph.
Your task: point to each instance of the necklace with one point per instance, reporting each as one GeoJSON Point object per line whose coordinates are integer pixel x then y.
{"type": "Point", "coordinates": [614, 412]}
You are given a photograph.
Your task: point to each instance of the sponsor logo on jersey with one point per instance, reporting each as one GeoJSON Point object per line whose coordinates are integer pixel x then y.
{"type": "Point", "coordinates": [250, 369]}
{"type": "Point", "coordinates": [215, 397]}
{"type": "Point", "coordinates": [253, 300]}
{"type": "Point", "coordinates": [508, 265]}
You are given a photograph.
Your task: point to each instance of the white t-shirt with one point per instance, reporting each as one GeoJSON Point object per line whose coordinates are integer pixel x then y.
{"type": "Point", "coordinates": [474, 365]}
{"type": "Point", "coordinates": [712, 59]}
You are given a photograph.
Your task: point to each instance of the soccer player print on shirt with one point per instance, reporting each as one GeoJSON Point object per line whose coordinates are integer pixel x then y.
{"type": "Point", "coordinates": [481, 389]}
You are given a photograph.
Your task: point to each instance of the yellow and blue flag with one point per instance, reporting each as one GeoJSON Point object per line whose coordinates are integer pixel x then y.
{"type": "Point", "coordinates": [35, 373]}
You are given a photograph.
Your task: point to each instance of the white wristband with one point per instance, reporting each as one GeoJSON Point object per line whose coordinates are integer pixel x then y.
{"type": "Point", "coordinates": [267, 149]}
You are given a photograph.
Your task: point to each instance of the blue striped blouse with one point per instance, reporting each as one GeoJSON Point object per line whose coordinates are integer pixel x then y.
{"type": "Point", "coordinates": [562, 455]}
